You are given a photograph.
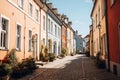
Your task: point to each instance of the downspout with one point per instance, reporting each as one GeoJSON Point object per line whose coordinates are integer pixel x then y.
{"type": "Point", "coordinates": [107, 35]}
{"type": "Point", "coordinates": [24, 33]}
{"type": "Point", "coordinates": [40, 34]}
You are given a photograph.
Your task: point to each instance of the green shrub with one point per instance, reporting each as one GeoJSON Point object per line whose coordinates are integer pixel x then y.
{"type": "Point", "coordinates": [25, 67]}
{"type": "Point", "coordinates": [5, 69]}
{"type": "Point", "coordinates": [12, 57]}
{"type": "Point", "coordinates": [45, 58]}
{"type": "Point", "coordinates": [51, 57]}
{"type": "Point", "coordinates": [99, 62]}
{"type": "Point", "coordinates": [72, 54]}
{"type": "Point", "coordinates": [64, 52]}
{"type": "Point", "coordinates": [62, 55]}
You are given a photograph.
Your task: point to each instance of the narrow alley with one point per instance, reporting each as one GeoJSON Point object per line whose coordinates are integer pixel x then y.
{"type": "Point", "coordinates": [78, 67]}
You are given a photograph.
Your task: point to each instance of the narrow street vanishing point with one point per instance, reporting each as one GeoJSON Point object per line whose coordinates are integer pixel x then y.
{"type": "Point", "coordinates": [78, 67]}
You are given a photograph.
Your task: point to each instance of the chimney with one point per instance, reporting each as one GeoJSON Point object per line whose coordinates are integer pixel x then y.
{"type": "Point", "coordinates": [70, 23]}
{"type": "Point", "coordinates": [55, 10]}
{"type": "Point", "coordinates": [50, 5]}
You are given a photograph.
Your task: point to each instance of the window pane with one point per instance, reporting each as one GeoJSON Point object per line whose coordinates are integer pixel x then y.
{"type": "Point", "coordinates": [18, 36]}
{"type": "Point", "coordinates": [30, 8]}
{"type": "Point", "coordinates": [4, 33]}
{"type": "Point", "coordinates": [30, 40]}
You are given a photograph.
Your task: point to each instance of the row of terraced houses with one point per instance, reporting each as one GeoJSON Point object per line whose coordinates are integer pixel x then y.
{"type": "Point", "coordinates": [105, 33]}
{"type": "Point", "coordinates": [26, 25]}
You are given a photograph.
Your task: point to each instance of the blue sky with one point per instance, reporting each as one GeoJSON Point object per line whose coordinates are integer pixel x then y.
{"type": "Point", "coordinates": [78, 12]}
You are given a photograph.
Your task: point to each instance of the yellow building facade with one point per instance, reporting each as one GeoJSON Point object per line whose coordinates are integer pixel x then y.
{"type": "Point", "coordinates": [99, 28]}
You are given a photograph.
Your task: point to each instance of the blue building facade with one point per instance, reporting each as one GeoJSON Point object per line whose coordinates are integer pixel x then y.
{"type": "Point", "coordinates": [79, 43]}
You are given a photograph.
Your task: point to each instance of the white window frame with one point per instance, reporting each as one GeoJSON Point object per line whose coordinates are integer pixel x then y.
{"type": "Point", "coordinates": [31, 9]}
{"type": "Point", "coordinates": [37, 15]}
{"type": "Point", "coordinates": [51, 27]}
{"type": "Point", "coordinates": [48, 25]}
{"type": "Point", "coordinates": [29, 40]}
{"type": "Point", "coordinates": [7, 32]}
{"type": "Point", "coordinates": [18, 35]}
{"type": "Point", "coordinates": [20, 3]}
{"type": "Point", "coordinates": [55, 30]}
{"type": "Point", "coordinates": [44, 21]}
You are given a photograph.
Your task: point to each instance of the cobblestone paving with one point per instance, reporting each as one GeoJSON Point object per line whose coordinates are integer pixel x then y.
{"type": "Point", "coordinates": [81, 68]}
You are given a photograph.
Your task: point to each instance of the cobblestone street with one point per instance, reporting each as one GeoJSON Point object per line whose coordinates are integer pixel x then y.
{"type": "Point", "coordinates": [71, 68]}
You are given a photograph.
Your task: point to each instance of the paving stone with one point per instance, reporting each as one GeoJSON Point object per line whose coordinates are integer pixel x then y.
{"type": "Point", "coordinates": [71, 68]}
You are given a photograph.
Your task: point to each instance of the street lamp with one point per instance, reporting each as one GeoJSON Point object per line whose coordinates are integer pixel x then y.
{"type": "Point", "coordinates": [99, 27]}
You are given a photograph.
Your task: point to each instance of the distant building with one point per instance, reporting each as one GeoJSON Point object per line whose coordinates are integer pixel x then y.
{"type": "Point", "coordinates": [53, 30]}
{"type": "Point", "coordinates": [87, 43]}
{"type": "Point", "coordinates": [79, 43]}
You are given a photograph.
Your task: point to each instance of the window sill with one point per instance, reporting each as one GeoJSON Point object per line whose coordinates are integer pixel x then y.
{"type": "Point", "coordinates": [19, 50]}
{"type": "Point", "coordinates": [29, 50]}
{"type": "Point", "coordinates": [4, 49]}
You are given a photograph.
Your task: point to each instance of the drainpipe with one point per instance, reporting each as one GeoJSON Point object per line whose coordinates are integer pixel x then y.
{"type": "Point", "coordinates": [24, 33]}
{"type": "Point", "coordinates": [107, 36]}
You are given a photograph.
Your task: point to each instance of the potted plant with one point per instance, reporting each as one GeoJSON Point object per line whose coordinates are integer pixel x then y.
{"type": "Point", "coordinates": [51, 57]}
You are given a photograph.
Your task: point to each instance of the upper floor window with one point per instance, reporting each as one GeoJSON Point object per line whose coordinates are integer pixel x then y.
{"type": "Point", "coordinates": [55, 30]}
{"type": "Point", "coordinates": [20, 3]}
{"type": "Point", "coordinates": [59, 32]}
{"type": "Point", "coordinates": [43, 22]}
{"type": "Point", "coordinates": [99, 15]}
{"type": "Point", "coordinates": [51, 27]}
{"type": "Point", "coordinates": [30, 9]}
{"type": "Point", "coordinates": [30, 40]}
{"type": "Point", "coordinates": [48, 25]}
{"type": "Point", "coordinates": [37, 15]}
{"type": "Point", "coordinates": [112, 2]}
{"type": "Point", "coordinates": [4, 34]}
{"type": "Point", "coordinates": [43, 41]}
{"type": "Point", "coordinates": [96, 20]}
{"type": "Point", "coordinates": [18, 37]}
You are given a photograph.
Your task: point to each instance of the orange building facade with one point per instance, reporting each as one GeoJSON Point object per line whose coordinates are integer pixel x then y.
{"type": "Point", "coordinates": [19, 28]}
{"type": "Point", "coordinates": [64, 36]}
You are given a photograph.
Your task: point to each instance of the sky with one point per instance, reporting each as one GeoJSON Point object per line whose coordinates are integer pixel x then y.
{"type": "Point", "coordinates": [78, 11]}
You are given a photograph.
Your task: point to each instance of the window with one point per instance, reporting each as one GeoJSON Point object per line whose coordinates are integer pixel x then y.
{"type": "Point", "coordinates": [43, 41]}
{"type": "Point", "coordinates": [20, 3]}
{"type": "Point", "coordinates": [30, 9]}
{"type": "Point", "coordinates": [103, 8]}
{"type": "Point", "coordinates": [48, 25]}
{"type": "Point", "coordinates": [112, 2]}
{"type": "Point", "coordinates": [99, 15]}
{"type": "Point", "coordinates": [37, 15]}
{"type": "Point", "coordinates": [55, 30]}
{"type": "Point", "coordinates": [43, 22]}
{"type": "Point", "coordinates": [51, 27]}
{"type": "Point", "coordinates": [119, 33]}
{"type": "Point", "coordinates": [30, 40]}
{"type": "Point", "coordinates": [18, 37]}
{"type": "Point", "coordinates": [4, 34]}
{"type": "Point", "coordinates": [59, 32]}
